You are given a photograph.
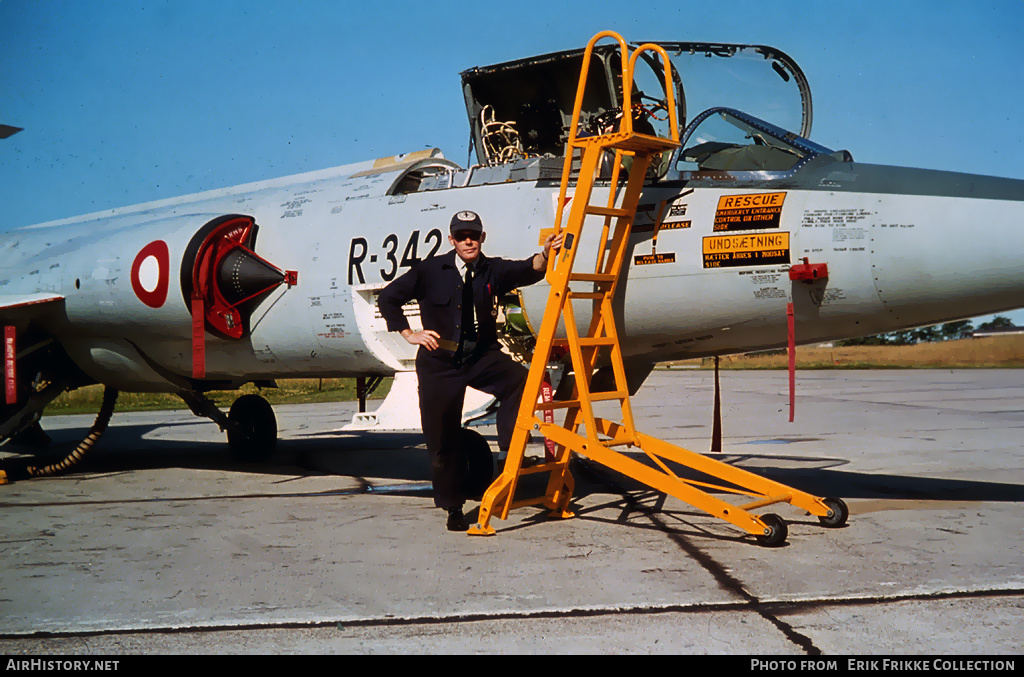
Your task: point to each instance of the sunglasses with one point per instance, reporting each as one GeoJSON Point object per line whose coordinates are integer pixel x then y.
{"type": "Point", "coordinates": [461, 235]}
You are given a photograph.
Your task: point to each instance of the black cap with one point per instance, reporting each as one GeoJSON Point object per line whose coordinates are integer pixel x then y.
{"type": "Point", "coordinates": [466, 221]}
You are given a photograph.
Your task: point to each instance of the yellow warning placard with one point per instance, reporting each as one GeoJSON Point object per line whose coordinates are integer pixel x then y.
{"type": "Point", "coordinates": [749, 212]}
{"type": "Point", "coordinates": [650, 259]}
{"type": "Point", "coordinates": [649, 227]}
{"type": "Point", "coordinates": [729, 251]}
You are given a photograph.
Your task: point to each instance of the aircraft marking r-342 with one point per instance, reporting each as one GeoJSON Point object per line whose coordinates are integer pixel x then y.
{"type": "Point", "coordinates": [359, 252]}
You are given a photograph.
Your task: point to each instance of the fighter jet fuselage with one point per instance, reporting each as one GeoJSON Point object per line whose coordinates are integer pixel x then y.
{"type": "Point", "coordinates": [279, 278]}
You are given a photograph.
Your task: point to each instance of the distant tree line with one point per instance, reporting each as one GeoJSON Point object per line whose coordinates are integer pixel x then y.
{"type": "Point", "coordinates": [950, 331]}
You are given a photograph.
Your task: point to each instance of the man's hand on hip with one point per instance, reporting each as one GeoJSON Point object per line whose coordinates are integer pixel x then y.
{"type": "Point", "coordinates": [424, 337]}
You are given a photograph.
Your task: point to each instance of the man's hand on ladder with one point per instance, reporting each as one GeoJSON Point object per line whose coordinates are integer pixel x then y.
{"type": "Point", "coordinates": [552, 242]}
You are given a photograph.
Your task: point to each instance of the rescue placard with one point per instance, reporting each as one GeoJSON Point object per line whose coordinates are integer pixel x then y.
{"type": "Point", "coordinates": [749, 212]}
{"type": "Point", "coordinates": [730, 251]}
{"type": "Point", "coordinates": [649, 259]}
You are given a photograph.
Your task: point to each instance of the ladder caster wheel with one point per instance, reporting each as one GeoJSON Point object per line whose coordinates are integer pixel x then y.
{"type": "Point", "coordinates": [838, 513]}
{"type": "Point", "coordinates": [776, 533]}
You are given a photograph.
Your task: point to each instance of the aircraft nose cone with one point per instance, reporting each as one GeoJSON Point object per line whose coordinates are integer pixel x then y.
{"type": "Point", "coordinates": [241, 276]}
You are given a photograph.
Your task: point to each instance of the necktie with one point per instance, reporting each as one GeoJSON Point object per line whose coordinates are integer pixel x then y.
{"type": "Point", "coordinates": [468, 320]}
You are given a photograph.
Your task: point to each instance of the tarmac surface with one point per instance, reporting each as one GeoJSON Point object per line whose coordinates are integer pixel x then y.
{"type": "Point", "coordinates": [160, 542]}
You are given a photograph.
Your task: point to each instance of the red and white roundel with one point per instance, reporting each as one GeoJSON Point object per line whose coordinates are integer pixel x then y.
{"type": "Point", "coordinates": [150, 273]}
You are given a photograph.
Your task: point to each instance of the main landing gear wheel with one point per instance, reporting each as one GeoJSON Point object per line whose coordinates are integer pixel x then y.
{"type": "Point", "coordinates": [252, 435]}
{"type": "Point", "coordinates": [838, 513]}
{"type": "Point", "coordinates": [480, 463]}
{"type": "Point", "coordinates": [776, 533]}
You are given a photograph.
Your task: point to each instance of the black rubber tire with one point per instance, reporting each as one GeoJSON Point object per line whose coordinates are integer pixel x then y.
{"type": "Point", "coordinates": [253, 433]}
{"type": "Point", "coordinates": [479, 461]}
{"type": "Point", "coordinates": [778, 531]}
{"type": "Point", "coordinates": [840, 513]}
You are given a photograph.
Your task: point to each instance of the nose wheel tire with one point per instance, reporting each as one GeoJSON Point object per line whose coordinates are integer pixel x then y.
{"type": "Point", "coordinates": [776, 532]}
{"type": "Point", "coordinates": [252, 435]}
{"type": "Point", "coordinates": [838, 513]}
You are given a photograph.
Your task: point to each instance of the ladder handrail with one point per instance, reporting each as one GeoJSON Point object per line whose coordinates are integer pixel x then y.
{"type": "Point", "coordinates": [585, 71]}
{"type": "Point", "coordinates": [626, 123]}
{"type": "Point", "coordinates": [670, 98]}
{"type": "Point", "coordinates": [576, 110]}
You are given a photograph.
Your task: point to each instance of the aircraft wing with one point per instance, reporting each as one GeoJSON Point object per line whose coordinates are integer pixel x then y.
{"type": "Point", "coordinates": [20, 305]}
{"type": "Point", "coordinates": [16, 312]}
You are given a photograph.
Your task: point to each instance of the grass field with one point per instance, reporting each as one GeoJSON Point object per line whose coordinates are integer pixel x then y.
{"type": "Point", "coordinates": [994, 352]}
{"type": "Point", "coordinates": [289, 391]}
{"type": "Point", "coordinates": [978, 353]}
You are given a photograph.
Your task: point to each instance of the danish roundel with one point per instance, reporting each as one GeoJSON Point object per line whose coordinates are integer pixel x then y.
{"type": "Point", "coordinates": [150, 273]}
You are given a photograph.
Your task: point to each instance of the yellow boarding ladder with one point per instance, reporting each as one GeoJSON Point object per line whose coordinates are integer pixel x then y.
{"type": "Point", "coordinates": [600, 345]}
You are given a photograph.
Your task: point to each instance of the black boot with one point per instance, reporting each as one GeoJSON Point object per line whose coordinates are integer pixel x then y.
{"type": "Point", "coordinates": [456, 520]}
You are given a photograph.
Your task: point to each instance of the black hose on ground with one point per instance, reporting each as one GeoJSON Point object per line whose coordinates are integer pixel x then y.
{"type": "Point", "coordinates": [98, 427]}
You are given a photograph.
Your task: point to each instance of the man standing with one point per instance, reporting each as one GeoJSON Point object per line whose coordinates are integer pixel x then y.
{"type": "Point", "coordinates": [459, 345]}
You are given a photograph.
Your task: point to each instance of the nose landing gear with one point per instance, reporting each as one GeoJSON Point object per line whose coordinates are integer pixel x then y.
{"type": "Point", "coordinates": [252, 430]}
{"type": "Point", "coordinates": [250, 424]}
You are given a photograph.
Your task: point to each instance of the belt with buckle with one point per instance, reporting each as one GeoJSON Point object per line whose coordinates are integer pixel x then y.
{"type": "Point", "coordinates": [447, 345]}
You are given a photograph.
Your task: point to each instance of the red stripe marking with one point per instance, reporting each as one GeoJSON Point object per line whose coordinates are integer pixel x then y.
{"type": "Point", "coordinates": [792, 359]}
{"type": "Point", "coordinates": [10, 365]}
{"type": "Point", "coordinates": [198, 339]}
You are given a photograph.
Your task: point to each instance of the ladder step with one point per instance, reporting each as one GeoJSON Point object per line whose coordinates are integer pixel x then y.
{"type": "Point", "coordinates": [594, 397]}
{"type": "Point", "coordinates": [644, 143]}
{"type": "Point", "coordinates": [594, 295]}
{"type": "Point", "coordinates": [597, 341]}
{"type": "Point", "coordinates": [591, 277]}
{"type": "Point", "coordinates": [617, 441]}
{"type": "Point", "coordinates": [607, 211]}
{"type": "Point", "coordinates": [587, 341]}
{"type": "Point", "coordinates": [635, 142]}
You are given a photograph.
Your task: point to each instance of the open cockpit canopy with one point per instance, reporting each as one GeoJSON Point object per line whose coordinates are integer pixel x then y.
{"type": "Point", "coordinates": [724, 139]}
{"type": "Point", "coordinates": [522, 109]}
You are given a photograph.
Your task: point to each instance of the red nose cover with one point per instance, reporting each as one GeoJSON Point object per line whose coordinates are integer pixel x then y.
{"type": "Point", "coordinates": [228, 279]}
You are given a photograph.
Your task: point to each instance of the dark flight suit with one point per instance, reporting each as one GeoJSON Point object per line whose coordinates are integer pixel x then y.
{"type": "Point", "coordinates": [443, 373]}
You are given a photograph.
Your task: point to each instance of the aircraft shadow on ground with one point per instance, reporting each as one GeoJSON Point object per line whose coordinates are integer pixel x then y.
{"type": "Point", "coordinates": [822, 477]}
{"type": "Point", "coordinates": [401, 456]}
{"type": "Point", "coordinates": [663, 513]}
{"type": "Point", "coordinates": [891, 486]}
{"type": "Point", "coordinates": [396, 456]}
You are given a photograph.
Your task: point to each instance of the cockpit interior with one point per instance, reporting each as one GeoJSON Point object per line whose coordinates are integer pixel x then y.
{"type": "Point", "coordinates": [753, 103]}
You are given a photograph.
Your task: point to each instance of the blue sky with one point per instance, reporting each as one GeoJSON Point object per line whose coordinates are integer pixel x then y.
{"type": "Point", "coordinates": [126, 101]}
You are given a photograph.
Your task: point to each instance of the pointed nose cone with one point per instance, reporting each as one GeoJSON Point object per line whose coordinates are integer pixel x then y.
{"type": "Point", "coordinates": [243, 276]}
{"type": "Point", "coordinates": [956, 254]}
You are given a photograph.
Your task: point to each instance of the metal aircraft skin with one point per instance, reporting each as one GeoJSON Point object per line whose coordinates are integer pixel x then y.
{"type": "Point", "coordinates": [277, 279]}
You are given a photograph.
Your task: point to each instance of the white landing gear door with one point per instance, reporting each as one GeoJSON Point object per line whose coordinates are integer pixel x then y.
{"type": "Point", "coordinates": [400, 409]}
